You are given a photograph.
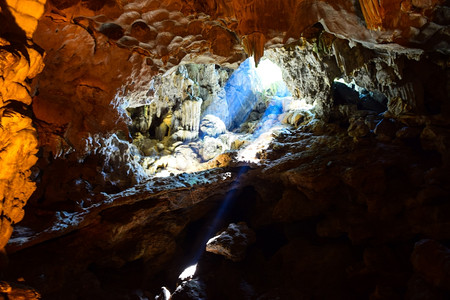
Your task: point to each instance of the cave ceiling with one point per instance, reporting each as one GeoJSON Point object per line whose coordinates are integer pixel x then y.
{"type": "Point", "coordinates": [95, 49]}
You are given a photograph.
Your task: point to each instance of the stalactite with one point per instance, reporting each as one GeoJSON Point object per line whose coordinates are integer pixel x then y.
{"type": "Point", "coordinates": [373, 13]}
{"type": "Point", "coordinates": [254, 45]}
{"type": "Point", "coordinates": [190, 116]}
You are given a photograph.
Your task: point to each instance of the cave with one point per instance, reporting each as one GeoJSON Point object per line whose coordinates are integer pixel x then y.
{"type": "Point", "coordinates": [225, 149]}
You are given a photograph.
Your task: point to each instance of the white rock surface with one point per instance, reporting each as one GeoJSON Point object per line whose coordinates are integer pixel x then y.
{"type": "Point", "coordinates": [212, 126]}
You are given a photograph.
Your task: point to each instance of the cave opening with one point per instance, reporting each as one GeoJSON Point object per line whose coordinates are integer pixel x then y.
{"type": "Point", "coordinates": [196, 117]}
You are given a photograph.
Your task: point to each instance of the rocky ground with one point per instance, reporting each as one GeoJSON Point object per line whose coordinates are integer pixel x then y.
{"type": "Point", "coordinates": [333, 217]}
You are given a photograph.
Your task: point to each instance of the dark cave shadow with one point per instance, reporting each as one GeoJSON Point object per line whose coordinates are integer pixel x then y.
{"type": "Point", "coordinates": [11, 31]}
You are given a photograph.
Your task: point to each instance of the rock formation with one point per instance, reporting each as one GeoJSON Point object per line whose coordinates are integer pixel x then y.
{"type": "Point", "coordinates": [21, 60]}
{"type": "Point", "coordinates": [232, 242]}
{"type": "Point", "coordinates": [147, 132]}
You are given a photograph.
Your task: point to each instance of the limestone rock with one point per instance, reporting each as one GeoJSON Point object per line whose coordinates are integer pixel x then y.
{"type": "Point", "coordinates": [436, 138]}
{"type": "Point", "coordinates": [112, 30]}
{"type": "Point", "coordinates": [26, 14]}
{"type": "Point", "coordinates": [358, 129]}
{"type": "Point", "coordinates": [164, 295]}
{"type": "Point", "coordinates": [212, 126]}
{"type": "Point", "coordinates": [386, 129]}
{"type": "Point", "coordinates": [241, 95]}
{"type": "Point", "coordinates": [307, 76]}
{"type": "Point", "coordinates": [354, 194]}
{"type": "Point", "coordinates": [19, 63]}
{"type": "Point", "coordinates": [297, 117]}
{"type": "Point", "coordinates": [120, 165]}
{"type": "Point", "coordinates": [190, 290]}
{"type": "Point", "coordinates": [398, 106]}
{"type": "Point", "coordinates": [418, 289]}
{"type": "Point", "coordinates": [409, 132]}
{"type": "Point", "coordinates": [211, 148]}
{"type": "Point", "coordinates": [233, 242]}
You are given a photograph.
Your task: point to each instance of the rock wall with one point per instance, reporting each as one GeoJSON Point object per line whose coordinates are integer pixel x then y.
{"type": "Point", "coordinates": [126, 44]}
{"type": "Point", "coordinates": [176, 101]}
{"type": "Point", "coordinates": [334, 217]}
{"type": "Point", "coordinates": [403, 76]}
{"type": "Point", "coordinates": [20, 61]}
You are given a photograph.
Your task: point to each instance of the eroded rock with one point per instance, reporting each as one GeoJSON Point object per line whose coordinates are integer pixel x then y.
{"type": "Point", "coordinates": [212, 126]}
{"type": "Point", "coordinates": [18, 291]}
{"type": "Point", "coordinates": [233, 242]}
{"type": "Point", "coordinates": [19, 63]}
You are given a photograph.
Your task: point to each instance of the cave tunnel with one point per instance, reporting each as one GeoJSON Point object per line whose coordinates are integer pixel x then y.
{"type": "Point", "coordinates": [168, 149]}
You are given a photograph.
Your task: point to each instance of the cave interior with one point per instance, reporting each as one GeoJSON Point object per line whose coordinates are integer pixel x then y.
{"type": "Point", "coordinates": [225, 149]}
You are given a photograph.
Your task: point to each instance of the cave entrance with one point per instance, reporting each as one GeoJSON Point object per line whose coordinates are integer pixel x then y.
{"type": "Point", "coordinates": [197, 117]}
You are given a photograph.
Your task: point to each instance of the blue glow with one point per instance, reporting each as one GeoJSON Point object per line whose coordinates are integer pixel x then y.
{"type": "Point", "coordinates": [244, 90]}
{"type": "Point", "coordinates": [247, 87]}
{"type": "Point", "coordinates": [221, 211]}
{"type": "Point", "coordinates": [241, 89]}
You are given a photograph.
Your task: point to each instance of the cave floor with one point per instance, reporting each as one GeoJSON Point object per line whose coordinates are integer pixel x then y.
{"type": "Point", "coordinates": [319, 202]}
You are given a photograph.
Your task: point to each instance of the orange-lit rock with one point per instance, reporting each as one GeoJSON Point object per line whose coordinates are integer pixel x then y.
{"type": "Point", "coordinates": [26, 13]}
{"type": "Point", "coordinates": [373, 13]}
{"type": "Point", "coordinates": [20, 62]}
{"type": "Point", "coordinates": [18, 291]}
{"type": "Point", "coordinates": [18, 144]}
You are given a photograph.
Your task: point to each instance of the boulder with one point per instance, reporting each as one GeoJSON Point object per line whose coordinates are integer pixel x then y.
{"type": "Point", "coordinates": [386, 130]}
{"type": "Point", "coordinates": [211, 148]}
{"type": "Point", "coordinates": [112, 30]}
{"type": "Point", "coordinates": [190, 290]}
{"type": "Point", "coordinates": [212, 126]}
{"type": "Point", "coordinates": [233, 242]}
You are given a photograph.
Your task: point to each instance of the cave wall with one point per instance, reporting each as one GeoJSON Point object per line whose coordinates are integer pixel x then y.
{"type": "Point", "coordinates": [21, 60]}
{"type": "Point", "coordinates": [126, 44]}
{"type": "Point", "coordinates": [403, 76]}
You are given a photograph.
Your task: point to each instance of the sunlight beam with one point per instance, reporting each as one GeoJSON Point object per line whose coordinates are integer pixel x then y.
{"type": "Point", "coordinates": [268, 73]}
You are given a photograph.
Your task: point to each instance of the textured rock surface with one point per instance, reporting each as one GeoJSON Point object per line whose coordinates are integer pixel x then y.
{"type": "Point", "coordinates": [20, 62]}
{"type": "Point", "coordinates": [26, 14]}
{"type": "Point", "coordinates": [126, 44]}
{"type": "Point", "coordinates": [311, 68]}
{"type": "Point", "coordinates": [18, 291]}
{"type": "Point", "coordinates": [212, 126]}
{"type": "Point", "coordinates": [233, 242]}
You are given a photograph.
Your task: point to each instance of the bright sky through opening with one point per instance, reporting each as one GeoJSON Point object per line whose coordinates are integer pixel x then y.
{"type": "Point", "coordinates": [269, 73]}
